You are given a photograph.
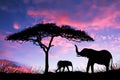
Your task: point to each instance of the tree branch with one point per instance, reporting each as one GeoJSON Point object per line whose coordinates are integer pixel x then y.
{"type": "Point", "coordinates": [43, 46]}
{"type": "Point", "coordinates": [50, 44]}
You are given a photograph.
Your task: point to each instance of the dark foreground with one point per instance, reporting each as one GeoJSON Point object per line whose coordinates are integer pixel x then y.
{"type": "Point", "coordinates": [111, 75]}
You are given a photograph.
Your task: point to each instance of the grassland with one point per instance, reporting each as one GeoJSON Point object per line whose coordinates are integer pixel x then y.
{"type": "Point", "coordinates": [77, 75]}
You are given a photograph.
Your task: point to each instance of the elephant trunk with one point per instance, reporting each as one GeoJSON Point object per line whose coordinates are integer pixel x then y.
{"type": "Point", "coordinates": [76, 48]}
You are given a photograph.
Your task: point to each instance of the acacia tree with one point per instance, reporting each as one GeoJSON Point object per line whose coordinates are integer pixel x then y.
{"type": "Point", "coordinates": [36, 34]}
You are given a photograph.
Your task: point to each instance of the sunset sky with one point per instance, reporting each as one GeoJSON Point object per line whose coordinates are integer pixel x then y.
{"type": "Point", "coordinates": [99, 18]}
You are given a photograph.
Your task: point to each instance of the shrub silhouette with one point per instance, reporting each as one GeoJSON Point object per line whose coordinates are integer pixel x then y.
{"type": "Point", "coordinates": [8, 66]}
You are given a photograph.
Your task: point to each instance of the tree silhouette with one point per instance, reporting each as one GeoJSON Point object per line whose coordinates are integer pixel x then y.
{"type": "Point", "coordinates": [36, 34]}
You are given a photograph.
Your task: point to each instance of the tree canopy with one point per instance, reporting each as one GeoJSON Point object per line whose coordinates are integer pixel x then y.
{"type": "Point", "coordinates": [52, 30]}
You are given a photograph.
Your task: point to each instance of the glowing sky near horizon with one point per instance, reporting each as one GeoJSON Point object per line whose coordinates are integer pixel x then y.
{"type": "Point", "coordinates": [99, 18]}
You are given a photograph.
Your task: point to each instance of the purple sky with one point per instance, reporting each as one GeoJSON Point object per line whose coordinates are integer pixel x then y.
{"type": "Point", "coordinates": [99, 18]}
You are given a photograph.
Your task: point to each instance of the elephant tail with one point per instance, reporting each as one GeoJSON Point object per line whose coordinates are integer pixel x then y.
{"type": "Point", "coordinates": [111, 65]}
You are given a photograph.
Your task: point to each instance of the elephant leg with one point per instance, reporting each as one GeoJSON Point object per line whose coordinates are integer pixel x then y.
{"type": "Point", "coordinates": [88, 65]}
{"type": "Point", "coordinates": [107, 67]}
{"type": "Point", "coordinates": [63, 69]}
{"type": "Point", "coordinates": [68, 68]}
{"type": "Point", "coordinates": [92, 68]}
{"type": "Point", "coordinates": [71, 68]}
{"type": "Point", "coordinates": [60, 69]}
{"type": "Point", "coordinates": [56, 70]}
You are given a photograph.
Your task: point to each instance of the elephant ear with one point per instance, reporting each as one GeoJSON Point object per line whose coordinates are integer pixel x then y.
{"type": "Point", "coordinates": [84, 52]}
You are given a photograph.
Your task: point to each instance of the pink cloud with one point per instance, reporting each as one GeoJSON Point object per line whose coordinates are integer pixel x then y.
{"type": "Point", "coordinates": [58, 17]}
{"type": "Point", "coordinates": [2, 37]}
{"type": "Point", "coordinates": [58, 41]}
{"type": "Point", "coordinates": [64, 18]}
{"type": "Point", "coordinates": [10, 45]}
{"type": "Point", "coordinates": [61, 46]}
{"type": "Point", "coordinates": [6, 49]}
{"type": "Point", "coordinates": [105, 18]}
{"type": "Point", "coordinates": [53, 17]}
{"type": "Point", "coordinates": [16, 26]}
{"type": "Point", "coordinates": [107, 21]}
{"type": "Point", "coordinates": [6, 54]}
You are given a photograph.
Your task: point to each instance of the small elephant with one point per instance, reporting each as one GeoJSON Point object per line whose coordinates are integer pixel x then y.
{"type": "Point", "coordinates": [64, 64]}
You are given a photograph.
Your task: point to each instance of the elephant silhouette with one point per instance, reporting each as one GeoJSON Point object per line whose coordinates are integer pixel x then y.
{"type": "Point", "coordinates": [102, 57]}
{"type": "Point", "coordinates": [64, 64]}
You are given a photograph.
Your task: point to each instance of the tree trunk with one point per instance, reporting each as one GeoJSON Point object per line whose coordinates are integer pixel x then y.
{"type": "Point", "coordinates": [46, 51]}
{"type": "Point", "coordinates": [46, 62]}
{"type": "Point", "coordinates": [47, 55]}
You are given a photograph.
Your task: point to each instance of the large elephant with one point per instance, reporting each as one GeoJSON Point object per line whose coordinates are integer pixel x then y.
{"type": "Point", "coordinates": [64, 64]}
{"type": "Point", "coordinates": [102, 57]}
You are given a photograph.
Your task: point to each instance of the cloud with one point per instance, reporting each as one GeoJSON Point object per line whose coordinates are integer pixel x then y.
{"type": "Point", "coordinates": [92, 15]}
{"type": "Point", "coordinates": [61, 46]}
{"type": "Point", "coordinates": [2, 37]}
{"type": "Point", "coordinates": [16, 26]}
{"type": "Point", "coordinates": [54, 16]}
{"type": "Point", "coordinates": [57, 17]}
